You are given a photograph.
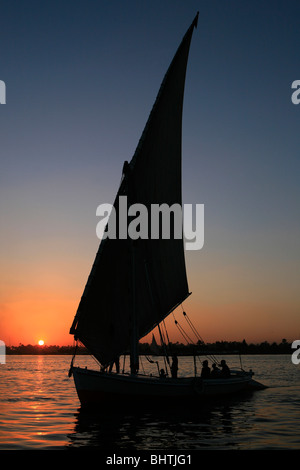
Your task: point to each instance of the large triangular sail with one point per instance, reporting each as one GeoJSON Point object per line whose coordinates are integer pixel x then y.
{"type": "Point", "coordinates": [135, 285]}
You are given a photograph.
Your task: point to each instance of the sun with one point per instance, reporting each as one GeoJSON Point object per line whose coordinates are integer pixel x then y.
{"type": "Point", "coordinates": [41, 342]}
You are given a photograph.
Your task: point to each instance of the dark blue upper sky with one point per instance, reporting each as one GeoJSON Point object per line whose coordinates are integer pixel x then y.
{"type": "Point", "coordinates": [81, 78]}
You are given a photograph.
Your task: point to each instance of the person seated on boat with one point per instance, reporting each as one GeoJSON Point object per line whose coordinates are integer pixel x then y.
{"type": "Point", "coordinates": [205, 373]}
{"type": "Point", "coordinates": [174, 366]}
{"type": "Point", "coordinates": [225, 371]}
{"type": "Point", "coordinates": [215, 371]}
{"type": "Point", "coordinates": [162, 374]}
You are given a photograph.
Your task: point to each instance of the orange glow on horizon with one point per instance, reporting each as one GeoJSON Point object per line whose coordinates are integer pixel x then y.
{"type": "Point", "coordinates": [34, 314]}
{"type": "Point", "coordinates": [50, 318]}
{"type": "Point", "coordinates": [44, 307]}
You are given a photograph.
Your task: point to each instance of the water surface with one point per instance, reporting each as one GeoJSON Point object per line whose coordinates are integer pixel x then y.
{"type": "Point", "coordinates": [39, 409]}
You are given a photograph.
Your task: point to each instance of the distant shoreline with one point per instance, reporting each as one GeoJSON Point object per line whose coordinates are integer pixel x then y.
{"type": "Point", "coordinates": [219, 347]}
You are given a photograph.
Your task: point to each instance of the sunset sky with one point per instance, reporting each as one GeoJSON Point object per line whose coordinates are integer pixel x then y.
{"type": "Point", "coordinates": [81, 78]}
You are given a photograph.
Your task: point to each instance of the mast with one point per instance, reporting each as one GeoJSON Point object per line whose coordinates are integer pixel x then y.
{"type": "Point", "coordinates": [134, 351]}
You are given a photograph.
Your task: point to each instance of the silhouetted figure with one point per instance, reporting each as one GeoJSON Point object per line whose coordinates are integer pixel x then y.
{"type": "Point", "coordinates": [117, 363]}
{"type": "Point", "coordinates": [174, 366]}
{"type": "Point", "coordinates": [215, 371]}
{"type": "Point", "coordinates": [162, 374]}
{"type": "Point", "coordinates": [205, 373]}
{"type": "Point", "coordinates": [225, 371]}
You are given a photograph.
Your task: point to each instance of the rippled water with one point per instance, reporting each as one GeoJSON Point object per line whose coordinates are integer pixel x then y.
{"type": "Point", "coordinates": [39, 409]}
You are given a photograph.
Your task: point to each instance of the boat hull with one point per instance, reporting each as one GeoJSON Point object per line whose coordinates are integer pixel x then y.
{"type": "Point", "coordinates": [96, 388]}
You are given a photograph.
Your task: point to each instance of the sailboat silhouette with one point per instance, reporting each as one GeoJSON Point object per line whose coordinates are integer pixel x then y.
{"type": "Point", "coordinates": [135, 284]}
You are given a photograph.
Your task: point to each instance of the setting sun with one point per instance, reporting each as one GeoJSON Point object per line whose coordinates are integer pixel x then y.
{"type": "Point", "coordinates": [41, 342]}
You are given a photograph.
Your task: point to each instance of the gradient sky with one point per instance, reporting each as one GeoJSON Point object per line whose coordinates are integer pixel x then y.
{"type": "Point", "coordinates": [81, 78]}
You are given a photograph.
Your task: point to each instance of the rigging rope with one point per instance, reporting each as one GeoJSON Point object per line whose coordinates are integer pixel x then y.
{"type": "Point", "coordinates": [166, 356]}
{"type": "Point", "coordinates": [166, 332]}
{"type": "Point", "coordinates": [210, 356]}
{"type": "Point", "coordinates": [194, 330]}
{"type": "Point", "coordinates": [153, 362]}
{"type": "Point", "coordinates": [183, 332]}
{"type": "Point", "coordinates": [192, 327]}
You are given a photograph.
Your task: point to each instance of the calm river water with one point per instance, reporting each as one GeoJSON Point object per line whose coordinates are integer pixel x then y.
{"type": "Point", "coordinates": [39, 409]}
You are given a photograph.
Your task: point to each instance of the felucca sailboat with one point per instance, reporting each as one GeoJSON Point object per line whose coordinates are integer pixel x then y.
{"type": "Point", "coordinates": [135, 284]}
